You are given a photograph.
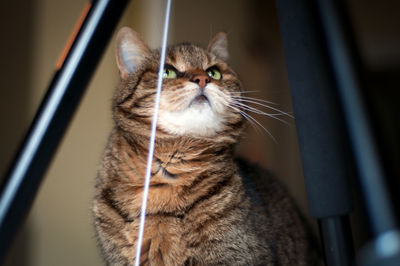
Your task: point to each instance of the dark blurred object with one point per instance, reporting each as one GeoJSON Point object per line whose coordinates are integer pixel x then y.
{"type": "Point", "coordinates": [323, 66]}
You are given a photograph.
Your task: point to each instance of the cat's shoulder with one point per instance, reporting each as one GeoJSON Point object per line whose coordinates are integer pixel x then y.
{"type": "Point", "coordinates": [261, 185]}
{"type": "Point", "coordinates": [254, 175]}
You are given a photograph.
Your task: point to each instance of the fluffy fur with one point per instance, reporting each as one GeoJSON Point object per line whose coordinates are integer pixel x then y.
{"type": "Point", "coordinates": [204, 208]}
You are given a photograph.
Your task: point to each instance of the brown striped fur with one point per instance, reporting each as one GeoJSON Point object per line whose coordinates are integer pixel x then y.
{"type": "Point", "coordinates": [202, 208]}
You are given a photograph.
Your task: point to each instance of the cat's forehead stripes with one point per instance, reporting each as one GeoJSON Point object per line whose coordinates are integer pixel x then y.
{"type": "Point", "coordinates": [188, 56]}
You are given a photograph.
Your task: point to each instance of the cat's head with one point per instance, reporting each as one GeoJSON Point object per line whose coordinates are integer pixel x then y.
{"type": "Point", "coordinates": [197, 92]}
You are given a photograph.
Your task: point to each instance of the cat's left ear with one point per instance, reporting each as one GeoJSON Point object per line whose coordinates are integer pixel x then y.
{"type": "Point", "coordinates": [130, 52]}
{"type": "Point", "coordinates": [219, 46]}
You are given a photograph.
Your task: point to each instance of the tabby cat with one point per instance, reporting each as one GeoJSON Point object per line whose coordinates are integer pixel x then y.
{"type": "Point", "coordinates": [204, 208]}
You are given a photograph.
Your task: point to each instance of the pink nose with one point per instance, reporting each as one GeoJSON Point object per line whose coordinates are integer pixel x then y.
{"type": "Point", "coordinates": [202, 80]}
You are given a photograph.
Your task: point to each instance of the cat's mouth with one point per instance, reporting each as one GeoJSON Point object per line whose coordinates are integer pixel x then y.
{"type": "Point", "coordinates": [200, 100]}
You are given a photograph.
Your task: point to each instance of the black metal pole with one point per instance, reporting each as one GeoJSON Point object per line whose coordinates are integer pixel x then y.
{"type": "Point", "coordinates": [320, 126]}
{"type": "Point", "coordinates": [63, 95]}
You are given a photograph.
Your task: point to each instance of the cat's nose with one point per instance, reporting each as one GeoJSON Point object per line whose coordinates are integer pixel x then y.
{"type": "Point", "coordinates": [202, 80]}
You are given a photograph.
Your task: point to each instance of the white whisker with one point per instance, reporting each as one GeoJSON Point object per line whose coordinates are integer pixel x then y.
{"type": "Point", "coordinates": [241, 92]}
{"type": "Point", "coordinates": [255, 110]}
{"type": "Point", "coordinates": [259, 124]}
{"type": "Point", "coordinates": [254, 99]}
{"type": "Point", "coordinates": [225, 101]}
{"type": "Point", "coordinates": [267, 106]}
{"type": "Point", "coordinates": [250, 119]}
{"type": "Point", "coordinates": [254, 125]}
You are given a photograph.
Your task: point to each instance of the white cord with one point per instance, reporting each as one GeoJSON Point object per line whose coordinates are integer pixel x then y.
{"type": "Point", "coordinates": [153, 134]}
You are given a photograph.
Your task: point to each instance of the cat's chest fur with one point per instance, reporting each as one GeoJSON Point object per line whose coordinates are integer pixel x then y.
{"type": "Point", "coordinates": [210, 233]}
{"type": "Point", "coordinates": [197, 212]}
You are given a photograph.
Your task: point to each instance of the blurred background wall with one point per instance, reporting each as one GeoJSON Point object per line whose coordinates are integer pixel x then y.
{"type": "Point", "coordinates": [58, 230]}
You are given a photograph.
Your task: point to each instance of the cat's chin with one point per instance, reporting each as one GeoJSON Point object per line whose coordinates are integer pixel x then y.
{"type": "Point", "coordinates": [198, 120]}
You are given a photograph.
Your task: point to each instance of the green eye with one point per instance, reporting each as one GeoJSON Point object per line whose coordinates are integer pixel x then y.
{"type": "Point", "coordinates": [169, 73]}
{"type": "Point", "coordinates": [214, 73]}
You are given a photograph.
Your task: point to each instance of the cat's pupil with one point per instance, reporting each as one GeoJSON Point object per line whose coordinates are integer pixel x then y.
{"type": "Point", "coordinates": [169, 74]}
{"type": "Point", "coordinates": [165, 74]}
{"type": "Point", "coordinates": [214, 73]}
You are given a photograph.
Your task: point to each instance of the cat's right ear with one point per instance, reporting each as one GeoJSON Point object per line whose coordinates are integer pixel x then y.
{"type": "Point", "coordinates": [130, 51]}
{"type": "Point", "coordinates": [219, 46]}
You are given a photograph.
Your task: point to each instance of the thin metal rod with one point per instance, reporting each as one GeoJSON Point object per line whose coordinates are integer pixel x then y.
{"type": "Point", "coordinates": [63, 95]}
{"type": "Point", "coordinates": [153, 134]}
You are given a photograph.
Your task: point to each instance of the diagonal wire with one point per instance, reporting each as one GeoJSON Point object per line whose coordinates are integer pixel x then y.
{"type": "Point", "coordinates": [153, 134]}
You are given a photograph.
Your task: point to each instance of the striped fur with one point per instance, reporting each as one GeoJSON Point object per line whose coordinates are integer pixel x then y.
{"type": "Point", "coordinates": [201, 210]}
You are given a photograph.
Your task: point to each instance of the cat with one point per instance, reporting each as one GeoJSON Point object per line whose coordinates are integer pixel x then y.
{"type": "Point", "coordinates": [204, 207]}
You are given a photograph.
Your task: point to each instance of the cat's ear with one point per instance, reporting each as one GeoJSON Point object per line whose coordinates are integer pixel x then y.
{"type": "Point", "coordinates": [219, 46]}
{"type": "Point", "coordinates": [130, 51]}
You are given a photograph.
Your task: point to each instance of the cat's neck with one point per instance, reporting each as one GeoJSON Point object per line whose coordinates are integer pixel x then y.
{"type": "Point", "coordinates": [189, 149]}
